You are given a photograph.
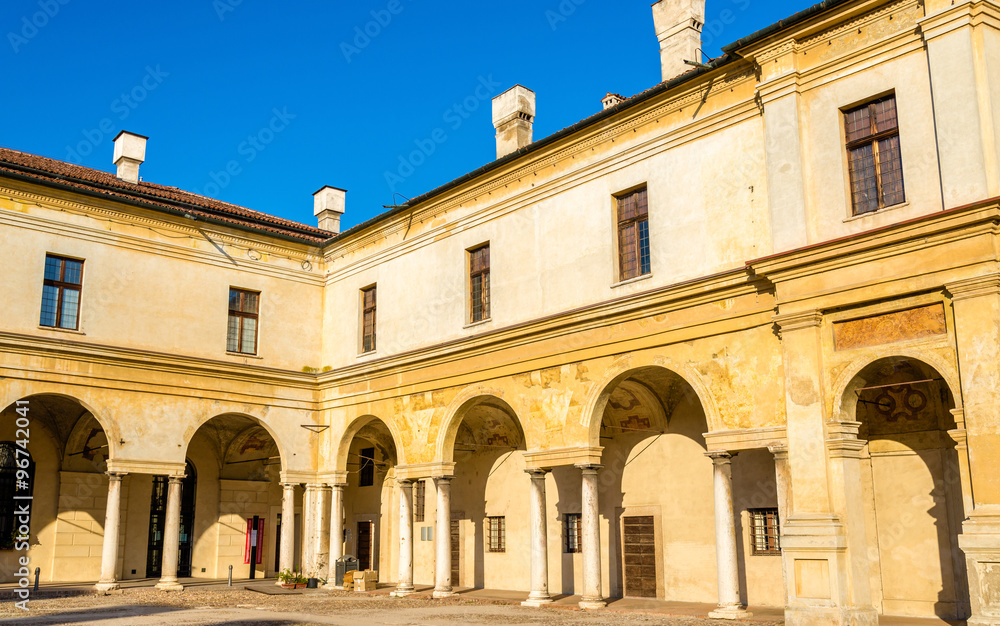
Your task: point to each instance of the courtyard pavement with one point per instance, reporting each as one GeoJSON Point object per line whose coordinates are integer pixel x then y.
{"type": "Point", "coordinates": [261, 602]}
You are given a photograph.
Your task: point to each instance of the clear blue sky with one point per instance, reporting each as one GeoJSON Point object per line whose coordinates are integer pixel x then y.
{"type": "Point", "coordinates": [292, 98]}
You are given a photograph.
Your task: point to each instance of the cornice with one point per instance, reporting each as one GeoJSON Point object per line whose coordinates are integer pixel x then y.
{"type": "Point", "coordinates": [789, 322]}
{"type": "Point", "coordinates": [959, 16]}
{"type": "Point", "coordinates": [727, 285]}
{"type": "Point", "coordinates": [133, 359]}
{"type": "Point", "coordinates": [979, 286]}
{"type": "Point", "coordinates": [299, 254]}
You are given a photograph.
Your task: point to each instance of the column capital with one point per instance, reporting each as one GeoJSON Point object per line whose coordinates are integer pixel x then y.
{"type": "Point", "coordinates": [787, 322]}
{"type": "Point", "coordinates": [988, 285]}
{"type": "Point", "coordinates": [779, 450]}
{"type": "Point", "coordinates": [443, 480]}
{"type": "Point", "coordinates": [116, 476]}
{"type": "Point", "coordinates": [537, 472]}
{"type": "Point", "coordinates": [289, 485]}
{"type": "Point", "coordinates": [176, 480]}
{"type": "Point", "coordinates": [721, 457]}
{"type": "Point", "coordinates": [589, 468]}
{"type": "Point", "coordinates": [405, 482]}
{"type": "Point", "coordinates": [337, 486]}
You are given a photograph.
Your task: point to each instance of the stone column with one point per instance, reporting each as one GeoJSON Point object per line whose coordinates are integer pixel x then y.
{"type": "Point", "coordinates": [171, 537]}
{"type": "Point", "coordinates": [336, 533]}
{"type": "Point", "coordinates": [726, 557]}
{"type": "Point", "coordinates": [310, 546]}
{"type": "Point", "coordinates": [112, 525]}
{"type": "Point", "coordinates": [976, 303]}
{"type": "Point", "coordinates": [442, 538]}
{"type": "Point", "coordinates": [404, 586]}
{"type": "Point", "coordinates": [322, 530]}
{"type": "Point", "coordinates": [782, 486]}
{"type": "Point", "coordinates": [539, 542]}
{"type": "Point", "coordinates": [590, 522]}
{"type": "Point", "coordinates": [286, 555]}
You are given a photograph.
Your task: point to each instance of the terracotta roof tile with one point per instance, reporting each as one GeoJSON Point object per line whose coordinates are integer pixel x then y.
{"type": "Point", "coordinates": [48, 170]}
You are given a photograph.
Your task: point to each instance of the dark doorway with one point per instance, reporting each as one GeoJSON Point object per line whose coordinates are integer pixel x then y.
{"type": "Point", "coordinates": [640, 557]}
{"type": "Point", "coordinates": [158, 522]}
{"type": "Point", "coordinates": [365, 545]}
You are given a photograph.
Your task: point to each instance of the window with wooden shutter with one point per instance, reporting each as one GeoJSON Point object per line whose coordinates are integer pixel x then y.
{"type": "Point", "coordinates": [243, 313]}
{"type": "Point", "coordinates": [368, 298]}
{"type": "Point", "coordinates": [574, 533]}
{"type": "Point", "coordinates": [479, 283]}
{"type": "Point", "coordinates": [873, 156]}
{"type": "Point", "coordinates": [633, 235]}
{"type": "Point", "coordinates": [764, 531]}
{"type": "Point", "coordinates": [496, 530]}
{"type": "Point", "coordinates": [419, 498]}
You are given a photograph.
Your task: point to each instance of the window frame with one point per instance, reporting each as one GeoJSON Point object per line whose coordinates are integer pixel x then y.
{"type": "Point", "coordinates": [61, 285]}
{"type": "Point", "coordinates": [496, 534]}
{"type": "Point", "coordinates": [241, 316]}
{"type": "Point", "coordinates": [573, 533]}
{"type": "Point", "coordinates": [771, 532]}
{"type": "Point", "coordinates": [485, 294]}
{"type": "Point", "coordinates": [365, 310]}
{"type": "Point", "coordinates": [873, 139]}
{"type": "Point", "coordinates": [635, 222]}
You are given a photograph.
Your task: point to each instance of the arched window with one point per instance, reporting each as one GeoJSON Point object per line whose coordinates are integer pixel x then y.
{"type": "Point", "coordinates": [10, 487]}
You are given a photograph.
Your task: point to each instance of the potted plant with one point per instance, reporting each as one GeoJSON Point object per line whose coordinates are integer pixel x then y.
{"type": "Point", "coordinates": [292, 580]}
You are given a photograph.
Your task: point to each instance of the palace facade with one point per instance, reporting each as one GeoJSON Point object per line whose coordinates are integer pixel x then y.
{"type": "Point", "coordinates": [732, 340]}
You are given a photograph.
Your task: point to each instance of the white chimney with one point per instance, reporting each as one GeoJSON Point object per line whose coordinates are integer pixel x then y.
{"type": "Point", "coordinates": [612, 99]}
{"type": "Point", "coordinates": [329, 203]}
{"type": "Point", "coordinates": [678, 27]}
{"type": "Point", "coordinates": [513, 115]}
{"type": "Point", "coordinates": [130, 152]}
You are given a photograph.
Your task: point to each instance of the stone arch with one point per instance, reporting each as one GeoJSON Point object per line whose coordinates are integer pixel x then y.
{"type": "Point", "coordinates": [192, 430]}
{"type": "Point", "coordinates": [624, 368]}
{"type": "Point", "coordinates": [110, 432]}
{"type": "Point", "coordinates": [849, 380]}
{"type": "Point", "coordinates": [468, 398]}
{"type": "Point", "coordinates": [354, 427]}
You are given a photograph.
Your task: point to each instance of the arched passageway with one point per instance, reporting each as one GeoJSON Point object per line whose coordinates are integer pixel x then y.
{"type": "Point", "coordinates": [67, 450]}
{"type": "Point", "coordinates": [912, 485]}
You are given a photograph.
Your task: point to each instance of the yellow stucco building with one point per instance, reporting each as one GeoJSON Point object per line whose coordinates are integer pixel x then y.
{"type": "Point", "coordinates": [733, 340]}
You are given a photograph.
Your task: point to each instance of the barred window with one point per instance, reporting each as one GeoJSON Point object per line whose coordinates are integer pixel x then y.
{"type": "Point", "coordinates": [874, 158]}
{"type": "Point", "coordinates": [13, 485]}
{"type": "Point", "coordinates": [496, 531]}
{"type": "Point", "coordinates": [61, 292]}
{"type": "Point", "coordinates": [574, 532]}
{"type": "Point", "coordinates": [419, 498]}
{"type": "Point", "coordinates": [367, 472]}
{"type": "Point", "coordinates": [633, 235]}
{"type": "Point", "coordinates": [479, 283]}
{"type": "Point", "coordinates": [243, 308]}
{"type": "Point", "coordinates": [765, 529]}
{"type": "Point", "coordinates": [368, 298]}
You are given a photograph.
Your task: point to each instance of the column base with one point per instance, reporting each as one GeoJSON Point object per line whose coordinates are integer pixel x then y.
{"type": "Point", "coordinates": [443, 593]}
{"type": "Point", "coordinates": [402, 592]}
{"type": "Point", "coordinates": [109, 587]}
{"type": "Point", "coordinates": [980, 541]}
{"type": "Point", "coordinates": [823, 616]}
{"type": "Point", "coordinates": [332, 587]}
{"type": "Point", "coordinates": [537, 601]}
{"type": "Point", "coordinates": [730, 612]}
{"type": "Point", "coordinates": [591, 604]}
{"type": "Point", "coordinates": [169, 586]}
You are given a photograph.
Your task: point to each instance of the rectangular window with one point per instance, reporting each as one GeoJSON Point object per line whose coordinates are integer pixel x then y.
{"type": "Point", "coordinates": [367, 472]}
{"type": "Point", "coordinates": [242, 335]}
{"type": "Point", "coordinates": [61, 292]}
{"type": "Point", "coordinates": [633, 235]}
{"type": "Point", "coordinates": [419, 497]}
{"type": "Point", "coordinates": [873, 156]}
{"type": "Point", "coordinates": [573, 531]}
{"type": "Point", "coordinates": [496, 531]}
{"type": "Point", "coordinates": [764, 529]}
{"type": "Point", "coordinates": [479, 283]}
{"type": "Point", "coordinates": [368, 298]}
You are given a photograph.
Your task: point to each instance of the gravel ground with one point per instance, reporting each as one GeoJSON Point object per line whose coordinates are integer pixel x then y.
{"type": "Point", "coordinates": [233, 607]}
